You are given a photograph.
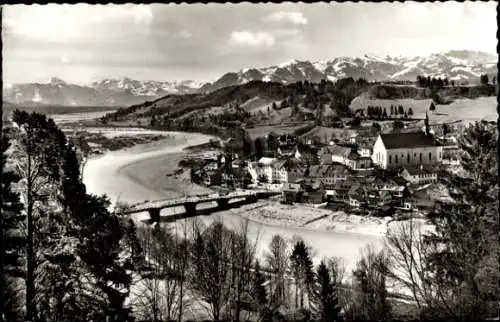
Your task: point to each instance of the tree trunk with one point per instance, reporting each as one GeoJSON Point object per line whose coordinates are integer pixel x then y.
{"type": "Point", "coordinates": [181, 295]}
{"type": "Point", "coordinates": [30, 312]}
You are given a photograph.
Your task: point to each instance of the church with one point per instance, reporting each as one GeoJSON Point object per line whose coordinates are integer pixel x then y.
{"type": "Point", "coordinates": [393, 150]}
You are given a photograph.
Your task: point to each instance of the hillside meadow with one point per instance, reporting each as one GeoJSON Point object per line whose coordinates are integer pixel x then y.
{"type": "Point", "coordinates": [467, 110]}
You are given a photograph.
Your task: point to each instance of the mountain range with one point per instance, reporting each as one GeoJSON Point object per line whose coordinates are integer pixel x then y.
{"type": "Point", "coordinates": [456, 65]}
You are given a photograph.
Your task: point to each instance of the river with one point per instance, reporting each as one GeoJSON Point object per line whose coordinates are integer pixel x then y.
{"type": "Point", "coordinates": [103, 175]}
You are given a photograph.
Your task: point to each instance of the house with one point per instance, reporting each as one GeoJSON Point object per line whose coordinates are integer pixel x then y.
{"type": "Point", "coordinates": [286, 150]}
{"type": "Point", "coordinates": [340, 154]}
{"type": "Point", "coordinates": [392, 150]}
{"type": "Point", "coordinates": [357, 162]}
{"type": "Point", "coordinates": [326, 158]}
{"type": "Point", "coordinates": [378, 198]}
{"type": "Point", "coordinates": [292, 192]}
{"type": "Point", "coordinates": [329, 174]}
{"type": "Point", "coordinates": [272, 170]}
{"type": "Point", "coordinates": [419, 174]}
{"type": "Point", "coordinates": [295, 169]}
{"type": "Point", "coordinates": [339, 191]}
{"type": "Point", "coordinates": [325, 154]}
{"type": "Point", "coordinates": [306, 154]}
{"type": "Point", "coordinates": [313, 191]}
{"type": "Point", "coordinates": [365, 145]}
{"type": "Point", "coordinates": [421, 199]}
{"type": "Point", "coordinates": [358, 196]}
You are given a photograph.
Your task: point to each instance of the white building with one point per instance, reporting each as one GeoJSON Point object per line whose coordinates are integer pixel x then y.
{"type": "Point", "coordinates": [271, 168]}
{"type": "Point", "coordinates": [393, 150]}
{"type": "Point", "coordinates": [419, 174]}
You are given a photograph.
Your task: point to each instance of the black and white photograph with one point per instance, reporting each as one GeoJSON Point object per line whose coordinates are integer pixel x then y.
{"type": "Point", "coordinates": [249, 162]}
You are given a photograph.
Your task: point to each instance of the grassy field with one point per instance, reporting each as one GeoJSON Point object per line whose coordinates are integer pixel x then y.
{"type": "Point", "coordinates": [467, 110]}
{"type": "Point", "coordinates": [326, 133]}
{"type": "Point", "coordinates": [260, 131]}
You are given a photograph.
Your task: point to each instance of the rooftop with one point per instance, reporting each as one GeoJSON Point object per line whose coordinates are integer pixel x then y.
{"type": "Point", "coordinates": [419, 169]}
{"type": "Point", "coordinates": [266, 160]}
{"type": "Point", "coordinates": [340, 150]}
{"type": "Point", "coordinates": [408, 140]}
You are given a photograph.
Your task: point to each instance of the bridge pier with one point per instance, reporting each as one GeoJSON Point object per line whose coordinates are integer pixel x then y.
{"type": "Point", "coordinates": [154, 214]}
{"type": "Point", "coordinates": [222, 203]}
{"type": "Point", "coordinates": [190, 208]}
{"type": "Point", "coordinates": [251, 198]}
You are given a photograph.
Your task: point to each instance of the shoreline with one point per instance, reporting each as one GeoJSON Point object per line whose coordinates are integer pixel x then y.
{"type": "Point", "coordinates": [325, 218]}
{"type": "Point", "coordinates": [102, 173]}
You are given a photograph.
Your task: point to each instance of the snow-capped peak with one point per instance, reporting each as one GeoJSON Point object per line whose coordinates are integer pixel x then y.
{"type": "Point", "coordinates": [288, 63]}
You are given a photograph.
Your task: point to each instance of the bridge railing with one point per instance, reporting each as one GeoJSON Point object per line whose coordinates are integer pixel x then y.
{"type": "Point", "coordinates": [193, 199]}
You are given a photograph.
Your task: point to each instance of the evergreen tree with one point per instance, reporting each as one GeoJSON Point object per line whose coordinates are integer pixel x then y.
{"type": "Point", "coordinates": [370, 292]}
{"type": "Point", "coordinates": [37, 152]}
{"type": "Point", "coordinates": [11, 241]}
{"type": "Point", "coordinates": [259, 148]}
{"type": "Point", "coordinates": [302, 269]}
{"type": "Point", "coordinates": [247, 146]}
{"type": "Point", "coordinates": [484, 79]}
{"type": "Point", "coordinates": [410, 112]}
{"type": "Point", "coordinates": [432, 107]}
{"type": "Point", "coordinates": [426, 124]}
{"type": "Point", "coordinates": [446, 129]}
{"type": "Point", "coordinates": [465, 241]}
{"type": "Point", "coordinates": [71, 236]}
{"type": "Point", "coordinates": [327, 294]}
{"type": "Point", "coordinates": [401, 110]}
{"type": "Point", "coordinates": [272, 142]}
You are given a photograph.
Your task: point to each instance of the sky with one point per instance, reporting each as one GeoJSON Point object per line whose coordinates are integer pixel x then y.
{"type": "Point", "coordinates": [82, 43]}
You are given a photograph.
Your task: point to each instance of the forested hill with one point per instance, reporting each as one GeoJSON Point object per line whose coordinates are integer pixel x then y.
{"type": "Point", "coordinates": [256, 101]}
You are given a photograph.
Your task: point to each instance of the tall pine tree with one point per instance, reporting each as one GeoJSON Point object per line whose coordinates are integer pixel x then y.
{"type": "Point", "coordinates": [11, 240]}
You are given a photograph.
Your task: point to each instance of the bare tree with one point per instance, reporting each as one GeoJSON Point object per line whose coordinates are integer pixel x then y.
{"type": "Point", "coordinates": [148, 294]}
{"type": "Point", "coordinates": [243, 255]}
{"type": "Point", "coordinates": [212, 261]}
{"type": "Point", "coordinates": [182, 266]}
{"type": "Point", "coordinates": [337, 268]}
{"type": "Point", "coordinates": [407, 252]}
{"type": "Point", "coordinates": [369, 301]}
{"type": "Point", "coordinates": [277, 261]}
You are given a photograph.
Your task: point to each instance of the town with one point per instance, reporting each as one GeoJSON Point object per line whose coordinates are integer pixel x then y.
{"type": "Point", "coordinates": [384, 174]}
{"type": "Point", "coordinates": [272, 162]}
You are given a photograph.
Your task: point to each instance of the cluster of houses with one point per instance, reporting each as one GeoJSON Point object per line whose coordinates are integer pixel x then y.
{"type": "Point", "coordinates": [356, 173]}
{"type": "Point", "coordinates": [380, 173]}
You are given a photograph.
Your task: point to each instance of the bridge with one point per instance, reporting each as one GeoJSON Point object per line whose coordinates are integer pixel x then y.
{"type": "Point", "coordinates": [189, 203]}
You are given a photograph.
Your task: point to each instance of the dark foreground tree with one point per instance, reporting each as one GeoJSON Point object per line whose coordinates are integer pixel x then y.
{"type": "Point", "coordinates": [452, 272]}
{"type": "Point", "coordinates": [369, 301]}
{"type": "Point", "coordinates": [74, 267]}
{"type": "Point", "coordinates": [327, 294]}
{"type": "Point", "coordinates": [11, 238]}
{"type": "Point", "coordinates": [302, 269]}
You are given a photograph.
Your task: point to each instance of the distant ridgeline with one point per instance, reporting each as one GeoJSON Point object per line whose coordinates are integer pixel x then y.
{"type": "Point", "coordinates": [271, 103]}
